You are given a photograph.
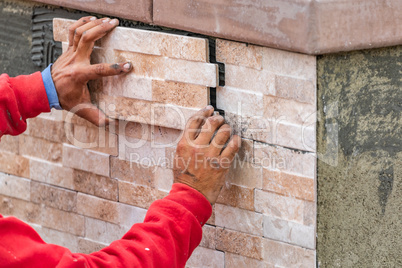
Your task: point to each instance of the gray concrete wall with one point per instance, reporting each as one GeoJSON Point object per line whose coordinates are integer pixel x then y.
{"type": "Point", "coordinates": [360, 177]}
{"type": "Point", "coordinates": [16, 38]}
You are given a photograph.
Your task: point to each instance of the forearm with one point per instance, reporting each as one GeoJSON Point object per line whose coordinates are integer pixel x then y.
{"type": "Point", "coordinates": [166, 238]}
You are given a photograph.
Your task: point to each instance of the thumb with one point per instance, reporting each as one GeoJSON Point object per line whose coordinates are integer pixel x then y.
{"type": "Point", "coordinates": [91, 113]}
{"type": "Point", "coordinates": [97, 71]}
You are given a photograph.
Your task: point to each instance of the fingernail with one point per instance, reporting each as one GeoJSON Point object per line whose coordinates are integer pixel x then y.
{"type": "Point", "coordinates": [127, 66]}
{"type": "Point", "coordinates": [105, 20]}
{"type": "Point", "coordinates": [209, 107]}
{"type": "Point", "coordinates": [93, 18]}
{"type": "Point", "coordinates": [114, 22]}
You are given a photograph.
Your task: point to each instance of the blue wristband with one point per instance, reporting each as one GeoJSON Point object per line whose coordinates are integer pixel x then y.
{"type": "Point", "coordinates": [50, 89]}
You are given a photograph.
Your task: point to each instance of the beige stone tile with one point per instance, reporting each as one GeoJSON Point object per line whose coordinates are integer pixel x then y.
{"type": "Point", "coordinates": [63, 221]}
{"type": "Point", "coordinates": [238, 219]}
{"type": "Point", "coordinates": [205, 257]}
{"type": "Point", "coordinates": [211, 220]}
{"type": "Point", "coordinates": [249, 79]}
{"type": "Point", "coordinates": [285, 255]}
{"type": "Point", "coordinates": [237, 196]}
{"type": "Point", "coordinates": [132, 172]}
{"type": "Point", "coordinates": [208, 237]}
{"type": "Point", "coordinates": [46, 128]}
{"type": "Point", "coordinates": [239, 243]}
{"type": "Point", "coordinates": [245, 174]}
{"type": "Point", "coordinates": [279, 206]}
{"type": "Point", "coordinates": [9, 144]}
{"type": "Point", "coordinates": [86, 160]}
{"type": "Point", "coordinates": [126, 109]}
{"type": "Point", "coordinates": [239, 261]}
{"type": "Point", "coordinates": [288, 184]}
{"type": "Point", "coordinates": [283, 159]}
{"type": "Point", "coordinates": [163, 68]}
{"type": "Point", "coordinates": [310, 213]}
{"type": "Point", "coordinates": [40, 148]}
{"type": "Point", "coordinates": [165, 136]}
{"type": "Point", "coordinates": [96, 139]}
{"type": "Point", "coordinates": [246, 151]}
{"type": "Point", "coordinates": [241, 102]}
{"type": "Point", "coordinates": [23, 210]}
{"type": "Point", "coordinates": [141, 111]}
{"type": "Point", "coordinates": [137, 195]}
{"type": "Point", "coordinates": [96, 185]}
{"type": "Point", "coordinates": [158, 43]}
{"type": "Point", "coordinates": [171, 116]}
{"type": "Point", "coordinates": [296, 89]}
{"type": "Point", "coordinates": [286, 110]}
{"type": "Point", "coordinates": [181, 94]}
{"type": "Point", "coordinates": [15, 187]}
{"type": "Point", "coordinates": [63, 239]}
{"type": "Point", "coordinates": [295, 136]}
{"type": "Point", "coordinates": [109, 211]}
{"type": "Point", "coordinates": [53, 196]}
{"type": "Point", "coordinates": [130, 86]}
{"type": "Point", "coordinates": [239, 54]}
{"type": "Point", "coordinates": [142, 152]}
{"type": "Point", "coordinates": [134, 130]}
{"type": "Point", "coordinates": [164, 178]}
{"type": "Point", "coordinates": [148, 42]}
{"type": "Point", "coordinates": [87, 246]}
{"type": "Point", "coordinates": [14, 164]}
{"type": "Point", "coordinates": [103, 232]}
{"type": "Point", "coordinates": [51, 173]}
{"type": "Point", "coordinates": [289, 232]}
{"type": "Point", "coordinates": [289, 63]}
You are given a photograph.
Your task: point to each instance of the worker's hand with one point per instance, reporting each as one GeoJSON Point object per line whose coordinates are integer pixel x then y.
{"type": "Point", "coordinates": [202, 159]}
{"type": "Point", "coordinates": [72, 71]}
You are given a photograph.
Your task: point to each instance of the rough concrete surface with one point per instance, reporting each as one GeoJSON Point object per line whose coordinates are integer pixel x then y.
{"type": "Point", "coordinates": [359, 191]}
{"type": "Point", "coordinates": [16, 38]}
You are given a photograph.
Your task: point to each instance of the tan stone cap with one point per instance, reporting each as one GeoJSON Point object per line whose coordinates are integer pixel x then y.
{"type": "Point", "coordinates": [307, 26]}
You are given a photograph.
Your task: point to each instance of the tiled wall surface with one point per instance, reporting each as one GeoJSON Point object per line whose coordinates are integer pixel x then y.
{"type": "Point", "coordinates": [83, 187]}
{"type": "Point", "coordinates": [311, 27]}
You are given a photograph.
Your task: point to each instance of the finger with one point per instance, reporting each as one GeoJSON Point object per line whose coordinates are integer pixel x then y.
{"type": "Point", "coordinates": [75, 25]}
{"type": "Point", "coordinates": [208, 129]}
{"type": "Point", "coordinates": [91, 113]}
{"type": "Point", "coordinates": [230, 151]}
{"type": "Point", "coordinates": [97, 71]}
{"type": "Point", "coordinates": [196, 121]}
{"type": "Point", "coordinates": [89, 37]}
{"type": "Point", "coordinates": [86, 27]}
{"type": "Point", "coordinates": [220, 139]}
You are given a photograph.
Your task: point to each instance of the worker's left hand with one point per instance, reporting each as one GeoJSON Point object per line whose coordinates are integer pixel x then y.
{"type": "Point", "coordinates": [202, 159]}
{"type": "Point", "coordinates": [72, 71]}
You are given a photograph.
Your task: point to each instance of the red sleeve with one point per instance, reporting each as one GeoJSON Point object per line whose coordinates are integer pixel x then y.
{"type": "Point", "coordinates": [167, 237]}
{"type": "Point", "coordinates": [21, 97]}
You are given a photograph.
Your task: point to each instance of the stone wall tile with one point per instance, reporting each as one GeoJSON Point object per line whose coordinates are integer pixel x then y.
{"type": "Point", "coordinates": [15, 187]}
{"type": "Point", "coordinates": [283, 207]}
{"type": "Point", "coordinates": [55, 197]}
{"type": "Point", "coordinates": [51, 173]}
{"type": "Point", "coordinates": [238, 219]}
{"type": "Point", "coordinates": [239, 54]}
{"type": "Point", "coordinates": [96, 185]}
{"type": "Point", "coordinates": [40, 148]}
{"type": "Point", "coordinates": [289, 232]}
{"type": "Point", "coordinates": [86, 160]}
{"type": "Point", "coordinates": [239, 243]}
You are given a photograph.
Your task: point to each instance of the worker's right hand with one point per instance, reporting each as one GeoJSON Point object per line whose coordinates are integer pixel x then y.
{"type": "Point", "coordinates": [202, 159]}
{"type": "Point", "coordinates": [72, 71]}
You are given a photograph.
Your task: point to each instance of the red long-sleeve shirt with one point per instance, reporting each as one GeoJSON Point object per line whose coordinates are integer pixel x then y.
{"type": "Point", "coordinates": [167, 237]}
